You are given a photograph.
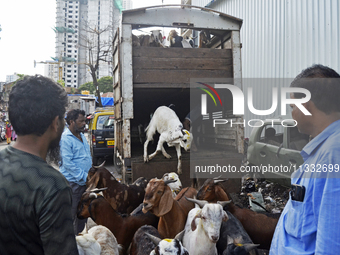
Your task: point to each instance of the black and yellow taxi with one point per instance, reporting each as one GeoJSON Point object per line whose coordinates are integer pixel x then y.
{"type": "Point", "coordinates": [101, 130]}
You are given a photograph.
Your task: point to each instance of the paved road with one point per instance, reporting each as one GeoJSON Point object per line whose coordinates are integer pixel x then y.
{"type": "Point", "coordinates": [3, 145]}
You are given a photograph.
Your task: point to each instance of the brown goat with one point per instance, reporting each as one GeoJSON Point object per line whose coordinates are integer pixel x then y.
{"type": "Point", "coordinates": [123, 198]}
{"type": "Point", "coordinates": [173, 212]}
{"type": "Point", "coordinates": [101, 212]}
{"type": "Point", "coordinates": [259, 226]}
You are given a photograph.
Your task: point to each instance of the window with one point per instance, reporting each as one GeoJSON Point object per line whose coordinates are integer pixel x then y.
{"type": "Point", "coordinates": [103, 120]}
{"type": "Point", "coordinates": [68, 80]}
{"type": "Point", "coordinates": [68, 71]}
{"type": "Point", "coordinates": [70, 11]}
{"type": "Point", "coordinates": [272, 134]}
{"type": "Point", "coordinates": [68, 76]}
{"type": "Point", "coordinates": [70, 36]}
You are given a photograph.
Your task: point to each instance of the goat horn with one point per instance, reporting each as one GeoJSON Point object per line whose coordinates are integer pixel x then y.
{"type": "Point", "coordinates": [217, 181]}
{"type": "Point", "coordinates": [218, 177]}
{"type": "Point", "coordinates": [180, 235]}
{"type": "Point", "coordinates": [249, 246]}
{"type": "Point", "coordinates": [99, 165]}
{"type": "Point", "coordinates": [223, 203]}
{"type": "Point", "coordinates": [200, 203]}
{"type": "Point", "coordinates": [169, 181]}
{"type": "Point", "coordinates": [154, 239]}
{"type": "Point", "coordinates": [97, 190]}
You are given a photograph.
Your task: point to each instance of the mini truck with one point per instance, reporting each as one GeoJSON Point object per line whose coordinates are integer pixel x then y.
{"type": "Point", "coordinates": [148, 77]}
{"type": "Point", "coordinates": [274, 149]}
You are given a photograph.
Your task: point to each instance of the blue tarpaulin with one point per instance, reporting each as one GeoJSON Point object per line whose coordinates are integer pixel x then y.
{"type": "Point", "coordinates": [106, 101]}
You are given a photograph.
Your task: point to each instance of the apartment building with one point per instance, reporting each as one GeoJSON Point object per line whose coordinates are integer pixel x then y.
{"type": "Point", "coordinates": [75, 21]}
{"type": "Point", "coordinates": [11, 78]}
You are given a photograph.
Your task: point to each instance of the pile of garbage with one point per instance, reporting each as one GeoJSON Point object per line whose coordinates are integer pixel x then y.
{"type": "Point", "coordinates": [262, 195]}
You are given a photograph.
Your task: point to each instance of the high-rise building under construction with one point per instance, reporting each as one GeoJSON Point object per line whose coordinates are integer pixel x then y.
{"type": "Point", "coordinates": [78, 24]}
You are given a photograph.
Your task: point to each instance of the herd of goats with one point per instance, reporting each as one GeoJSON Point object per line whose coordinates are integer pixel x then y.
{"type": "Point", "coordinates": [158, 216]}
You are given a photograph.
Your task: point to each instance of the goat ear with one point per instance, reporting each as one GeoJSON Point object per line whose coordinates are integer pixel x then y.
{"type": "Point", "coordinates": [185, 132]}
{"type": "Point", "coordinates": [193, 222]}
{"type": "Point", "coordinates": [180, 235]}
{"type": "Point", "coordinates": [165, 203]}
{"type": "Point", "coordinates": [221, 194]}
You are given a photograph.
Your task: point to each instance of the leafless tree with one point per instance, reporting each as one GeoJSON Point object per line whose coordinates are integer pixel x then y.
{"type": "Point", "coordinates": [92, 38]}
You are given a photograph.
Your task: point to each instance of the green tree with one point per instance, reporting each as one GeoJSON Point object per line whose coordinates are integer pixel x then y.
{"type": "Point", "coordinates": [61, 82]}
{"type": "Point", "coordinates": [105, 84]}
{"type": "Point", "coordinates": [88, 86]}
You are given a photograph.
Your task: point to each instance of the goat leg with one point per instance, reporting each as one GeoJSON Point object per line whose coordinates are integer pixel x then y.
{"type": "Point", "coordinates": [165, 153]}
{"type": "Point", "coordinates": [146, 150]}
{"type": "Point", "coordinates": [179, 155]}
{"type": "Point", "coordinates": [162, 139]}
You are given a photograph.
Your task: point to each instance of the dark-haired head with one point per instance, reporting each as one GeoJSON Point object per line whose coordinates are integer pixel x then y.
{"type": "Point", "coordinates": [324, 85]}
{"type": "Point", "coordinates": [73, 115]}
{"type": "Point", "coordinates": [34, 102]}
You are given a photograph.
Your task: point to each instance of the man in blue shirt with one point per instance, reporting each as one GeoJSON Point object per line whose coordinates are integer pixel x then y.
{"type": "Point", "coordinates": [310, 222]}
{"type": "Point", "coordinates": [76, 160]}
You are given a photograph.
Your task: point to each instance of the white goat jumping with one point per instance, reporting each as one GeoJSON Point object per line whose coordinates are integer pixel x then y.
{"type": "Point", "coordinates": [167, 124]}
{"type": "Point", "coordinates": [202, 229]}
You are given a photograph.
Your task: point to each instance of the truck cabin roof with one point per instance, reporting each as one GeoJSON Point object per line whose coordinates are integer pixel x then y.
{"type": "Point", "coordinates": [182, 16]}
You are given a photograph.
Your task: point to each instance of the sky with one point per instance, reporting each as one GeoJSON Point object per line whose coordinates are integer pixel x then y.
{"type": "Point", "coordinates": [27, 34]}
